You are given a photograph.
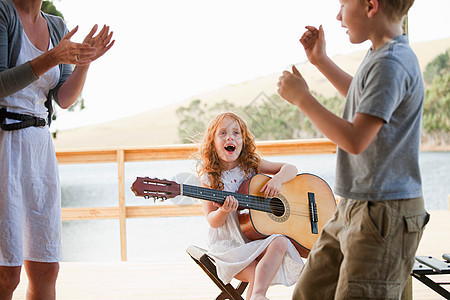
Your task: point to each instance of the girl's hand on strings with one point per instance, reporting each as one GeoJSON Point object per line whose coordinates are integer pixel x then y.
{"type": "Point", "coordinates": [230, 204]}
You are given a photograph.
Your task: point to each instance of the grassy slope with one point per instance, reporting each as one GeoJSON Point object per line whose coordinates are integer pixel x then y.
{"type": "Point", "coordinates": [159, 127]}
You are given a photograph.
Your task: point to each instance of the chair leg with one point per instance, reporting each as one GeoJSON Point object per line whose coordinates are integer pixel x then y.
{"type": "Point", "coordinates": [241, 287]}
{"type": "Point", "coordinates": [233, 293]}
{"type": "Point", "coordinates": [204, 261]}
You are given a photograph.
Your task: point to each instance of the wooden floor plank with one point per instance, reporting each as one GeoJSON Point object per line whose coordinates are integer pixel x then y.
{"type": "Point", "coordinates": [185, 280]}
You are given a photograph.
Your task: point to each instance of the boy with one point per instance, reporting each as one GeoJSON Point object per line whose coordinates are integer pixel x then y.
{"type": "Point", "coordinates": [367, 249]}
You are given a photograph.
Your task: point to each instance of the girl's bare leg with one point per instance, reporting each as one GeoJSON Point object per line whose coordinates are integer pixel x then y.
{"type": "Point", "coordinates": [260, 273]}
{"type": "Point", "coordinates": [248, 275]}
{"type": "Point", "coordinates": [268, 266]}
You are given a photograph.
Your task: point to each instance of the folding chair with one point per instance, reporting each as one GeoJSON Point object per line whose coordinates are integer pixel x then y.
{"type": "Point", "coordinates": [207, 264]}
{"type": "Point", "coordinates": [425, 266]}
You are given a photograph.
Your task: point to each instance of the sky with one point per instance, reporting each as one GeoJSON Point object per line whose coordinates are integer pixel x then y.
{"type": "Point", "coordinates": [168, 51]}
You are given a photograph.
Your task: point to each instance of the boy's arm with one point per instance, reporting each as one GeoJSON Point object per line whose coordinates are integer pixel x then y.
{"type": "Point", "coordinates": [339, 78]}
{"type": "Point", "coordinates": [351, 137]}
{"type": "Point", "coordinates": [313, 41]}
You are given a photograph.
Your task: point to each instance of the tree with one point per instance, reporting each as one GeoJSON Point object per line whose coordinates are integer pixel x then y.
{"type": "Point", "coordinates": [49, 8]}
{"type": "Point", "coordinates": [191, 121]}
{"type": "Point", "coordinates": [436, 66]}
{"type": "Point", "coordinates": [436, 111]}
{"type": "Point", "coordinates": [436, 108]}
{"type": "Point", "coordinates": [272, 118]}
{"type": "Point", "coordinates": [269, 118]}
{"type": "Point", "coordinates": [195, 117]}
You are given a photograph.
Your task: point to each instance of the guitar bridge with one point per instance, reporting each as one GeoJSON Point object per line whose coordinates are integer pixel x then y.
{"type": "Point", "coordinates": [313, 213]}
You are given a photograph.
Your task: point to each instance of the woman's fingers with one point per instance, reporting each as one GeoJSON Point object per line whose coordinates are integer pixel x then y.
{"type": "Point", "coordinates": [104, 32]}
{"type": "Point", "coordinates": [69, 35]}
{"type": "Point", "coordinates": [101, 42]}
{"type": "Point", "coordinates": [90, 34]}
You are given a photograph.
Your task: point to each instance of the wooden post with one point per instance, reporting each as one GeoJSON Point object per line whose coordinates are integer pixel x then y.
{"type": "Point", "coordinates": [408, 290]}
{"type": "Point", "coordinates": [122, 207]}
{"type": "Point", "coordinates": [405, 25]}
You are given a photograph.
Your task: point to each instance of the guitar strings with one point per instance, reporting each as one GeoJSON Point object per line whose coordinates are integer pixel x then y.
{"type": "Point", "coordinates": [252, 201]}
{"type": "Point", "coordinates": [219, 196]}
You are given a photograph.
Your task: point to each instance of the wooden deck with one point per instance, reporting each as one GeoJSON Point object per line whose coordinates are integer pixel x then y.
{"type": "Point", "coordinates": [185, 280]}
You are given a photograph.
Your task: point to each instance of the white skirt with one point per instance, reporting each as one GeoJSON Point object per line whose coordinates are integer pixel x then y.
{"type": "Point", "coordinates": [233, 252]}
{"type": "Point", "coordinates": [30, 197]}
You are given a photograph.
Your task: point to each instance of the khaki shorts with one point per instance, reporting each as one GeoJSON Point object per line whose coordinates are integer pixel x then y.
{"type": "Point", "coordinates": [366, 251]}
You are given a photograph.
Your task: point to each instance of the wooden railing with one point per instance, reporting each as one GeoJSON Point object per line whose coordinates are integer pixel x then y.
{"type": "Point", "coordinates": [122, 155]}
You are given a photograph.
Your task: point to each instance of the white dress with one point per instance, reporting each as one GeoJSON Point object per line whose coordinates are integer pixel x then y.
{"type": "Point", "coordinates": [232, 251]}
{"type": "Point", "coordinates": [30, 197]}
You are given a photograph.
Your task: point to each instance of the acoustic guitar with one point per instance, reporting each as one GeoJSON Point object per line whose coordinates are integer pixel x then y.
{"type": "Point", "coordinates": [299, 212]}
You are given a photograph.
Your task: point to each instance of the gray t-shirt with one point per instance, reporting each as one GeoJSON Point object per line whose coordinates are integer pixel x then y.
{"type": "Point", "coordinates": [388, 85]}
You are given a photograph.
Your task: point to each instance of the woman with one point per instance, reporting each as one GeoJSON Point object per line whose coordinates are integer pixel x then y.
{"type": "Point", "coordinates": [36, 55]}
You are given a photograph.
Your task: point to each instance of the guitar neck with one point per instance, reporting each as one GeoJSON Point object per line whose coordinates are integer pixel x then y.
{"type": "Point", "coordinates": [218, 196]}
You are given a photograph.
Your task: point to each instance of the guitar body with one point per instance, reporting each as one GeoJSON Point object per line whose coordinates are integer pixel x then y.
{"type": "Point", "coordinates": [291, 210]}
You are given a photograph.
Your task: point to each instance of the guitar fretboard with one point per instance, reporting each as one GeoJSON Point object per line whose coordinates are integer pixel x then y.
{"type": "Point", "coordinates": [218, 196]}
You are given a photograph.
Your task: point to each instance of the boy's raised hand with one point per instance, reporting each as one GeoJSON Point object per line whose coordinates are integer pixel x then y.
{"type": "Point", "coordinates": [292, 86]}
{"type": "Point", "coordinates": [313, 41]}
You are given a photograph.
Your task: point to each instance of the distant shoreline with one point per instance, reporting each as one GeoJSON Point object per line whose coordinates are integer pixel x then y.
{"type": "Point", "coordinates": [433, 148]}
{"type": "Point", "coordinates": [424, 147]}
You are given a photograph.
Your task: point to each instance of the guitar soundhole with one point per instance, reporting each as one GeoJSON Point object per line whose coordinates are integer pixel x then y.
{"type": "Point", "coordinates": [277, 207]}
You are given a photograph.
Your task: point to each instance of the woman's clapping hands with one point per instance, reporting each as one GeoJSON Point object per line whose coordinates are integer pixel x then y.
{"type": "Point", "coordinates": [81, 54]}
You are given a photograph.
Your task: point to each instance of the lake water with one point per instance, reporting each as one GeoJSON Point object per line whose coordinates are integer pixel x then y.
{"type": "Point", "coordinates": [156, 239]}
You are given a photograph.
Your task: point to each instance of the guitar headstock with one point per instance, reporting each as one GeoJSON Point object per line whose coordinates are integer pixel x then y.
{"type": "Point", "coordinates": [155, 188]}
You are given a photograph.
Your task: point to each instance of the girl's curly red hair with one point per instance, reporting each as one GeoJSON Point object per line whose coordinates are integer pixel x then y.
{"type": "Point", "coordinates": [208, 160]}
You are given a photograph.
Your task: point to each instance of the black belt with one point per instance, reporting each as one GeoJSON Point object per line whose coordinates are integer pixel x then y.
{"type": "Point", "coordinates": [27, 120]}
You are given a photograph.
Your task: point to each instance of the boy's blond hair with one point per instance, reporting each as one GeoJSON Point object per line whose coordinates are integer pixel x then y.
{"type": "Point", "coordinates": [395, 10]}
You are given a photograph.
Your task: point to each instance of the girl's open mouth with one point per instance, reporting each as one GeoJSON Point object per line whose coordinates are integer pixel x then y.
{"type": "Point", "coordinates": [230, 148]}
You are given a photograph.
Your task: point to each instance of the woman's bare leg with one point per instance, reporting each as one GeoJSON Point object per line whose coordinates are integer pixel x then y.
{"type": "Point", "coordinates": [9, 280]}
{"type": "Point", "coordinates": [41, 280]}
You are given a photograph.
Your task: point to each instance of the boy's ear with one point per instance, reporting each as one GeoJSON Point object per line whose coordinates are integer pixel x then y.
{"type": "Point", "coordinates": [372, 7]}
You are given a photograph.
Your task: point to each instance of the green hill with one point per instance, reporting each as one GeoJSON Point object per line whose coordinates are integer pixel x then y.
{"type": "Point", "coordinates": [159, 127]}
